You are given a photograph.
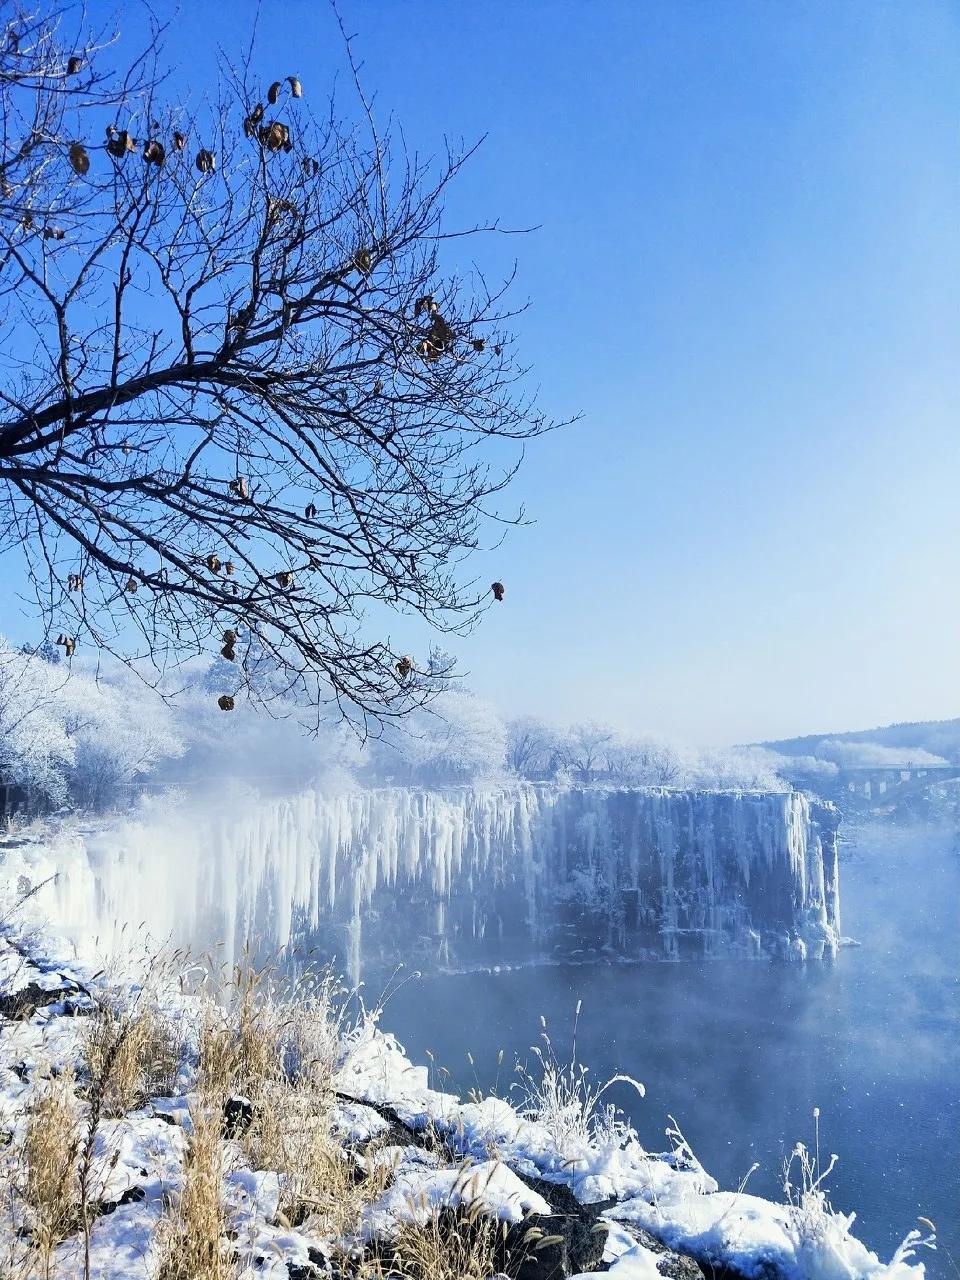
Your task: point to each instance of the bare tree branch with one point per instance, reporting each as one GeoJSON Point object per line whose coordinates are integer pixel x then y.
{"type": "Point", "coordinates": [239, 395]}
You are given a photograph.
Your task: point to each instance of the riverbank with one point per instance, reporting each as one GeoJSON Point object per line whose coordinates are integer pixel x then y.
{"type": "Point", "coordinates": [155, 1130]}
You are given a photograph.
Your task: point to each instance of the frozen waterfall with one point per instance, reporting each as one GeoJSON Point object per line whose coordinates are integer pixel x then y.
{"type": "Point", "coordinates": [463, 876]}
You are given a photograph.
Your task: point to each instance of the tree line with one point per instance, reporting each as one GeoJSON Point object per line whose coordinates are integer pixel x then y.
{"type": "Point", "coordinates": [91, 736]}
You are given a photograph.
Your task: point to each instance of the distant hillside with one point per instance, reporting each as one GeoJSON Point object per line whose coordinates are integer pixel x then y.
{"type": "Point", "coordinates": [939, 737]}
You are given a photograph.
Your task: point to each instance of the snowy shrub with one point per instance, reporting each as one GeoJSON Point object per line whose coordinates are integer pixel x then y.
{"type": "Point", "coordinates": [821, 1238]}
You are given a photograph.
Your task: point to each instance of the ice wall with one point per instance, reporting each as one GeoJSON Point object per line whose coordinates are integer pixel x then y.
{"type": "Point", "coordinates": [465, 875]}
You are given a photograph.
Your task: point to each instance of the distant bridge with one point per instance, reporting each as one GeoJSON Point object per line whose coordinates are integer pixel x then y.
{"type": "Point", "coordinates": [870, 782]}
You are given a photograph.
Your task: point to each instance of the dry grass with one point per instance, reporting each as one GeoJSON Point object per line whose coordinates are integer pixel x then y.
{"type": "Point", "coordinates": [217, 1059]}
{"type": "Point", "coordinates": [49, 1166]}
{"type": "Point", "coordinates": [321, 1183]}
{"type": "Point", "coordinates": [260, 1031]}
{"type": "Point", "coordinates": [191, 1239]}
{"type": "Point", "coordinates": [274, 1044]}
{"type": "Point", "coordinates": [452, 1244]}
{"type": "Point", "coordinates": [285, 1042]}
{"type": "Point", "coordinates": [130, 1055]}
{"type": "Point", "coordinates": [277, 1045]}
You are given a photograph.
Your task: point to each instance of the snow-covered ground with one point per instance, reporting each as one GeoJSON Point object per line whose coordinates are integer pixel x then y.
{"type": "Point", "coordinates": [660, 1209]}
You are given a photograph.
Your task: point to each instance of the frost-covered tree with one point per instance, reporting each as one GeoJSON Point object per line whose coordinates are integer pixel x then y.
{"type": "Point", "coordinates": [583, 750]}
{"type": "Point", "coordinates": [47, 651]}
{"type": "Point", "coordinates": [268, 752]}
{"type": "Point", "coordinates": [532, 747]}
{"type": "Point", "coordinates": [644, 762]}
{"type": "Point", "coordinates": [458, 738]}
{"type": "Point", "coordinates": [74, 738]}
{"type": "Point", "coordinates": [35, 748]}
{"type": "Point", "coordinates": [120, 733]}
{"type": "Point", "coordinates": [803, 767]}
{"type": "Point", "coordinates": [746, 768]}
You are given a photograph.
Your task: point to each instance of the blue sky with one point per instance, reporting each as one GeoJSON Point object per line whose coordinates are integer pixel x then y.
{"type": "Point", "coordinates": [747, 279]}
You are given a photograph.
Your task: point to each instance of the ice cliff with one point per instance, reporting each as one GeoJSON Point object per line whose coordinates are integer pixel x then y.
{"type": "Point", "coordinates": [463, 876]}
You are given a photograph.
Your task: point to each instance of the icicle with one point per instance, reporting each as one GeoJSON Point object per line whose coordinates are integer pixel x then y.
{"type": "Point", "coordinates": [715, 870]}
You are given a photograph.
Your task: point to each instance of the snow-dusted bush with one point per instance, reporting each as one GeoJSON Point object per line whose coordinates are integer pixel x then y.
{"type": "Point", "coordinates": [563, 1098]}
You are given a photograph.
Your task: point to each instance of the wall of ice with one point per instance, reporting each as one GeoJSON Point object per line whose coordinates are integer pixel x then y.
{"type": "Point", "coordinates": [463, 875]}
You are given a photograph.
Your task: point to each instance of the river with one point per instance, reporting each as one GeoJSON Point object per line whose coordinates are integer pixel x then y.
{"type": "Point", "coordinates": [741, 1053]}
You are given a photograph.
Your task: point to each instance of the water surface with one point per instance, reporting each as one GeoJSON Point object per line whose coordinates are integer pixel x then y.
{"type": "Point", "coordinates": [740, 1053]}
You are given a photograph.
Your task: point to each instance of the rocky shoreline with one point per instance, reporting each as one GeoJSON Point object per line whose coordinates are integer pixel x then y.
{"type": "Point", "coordinates": [558, 1192]}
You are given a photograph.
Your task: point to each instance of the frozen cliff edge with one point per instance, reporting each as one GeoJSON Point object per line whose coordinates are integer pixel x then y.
{"type": "Point", "coordinates": [460, 876]}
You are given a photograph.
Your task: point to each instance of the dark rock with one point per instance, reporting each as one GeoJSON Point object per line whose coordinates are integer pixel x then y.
{"type": "Point", "coordinates": [73, 1008]}
{"type": "Point", "coordinates": [395, 1135]}
{"type": "Point", "coordinates": [677, 1266]}
{"type": "Point", "coordinates": [576, 1243]}
{"type": "Point", "coordinates": [644, 1237]}
{"type": "Point", "coordinates": [398, 1124]}
{"type": "Point", "coordinates": [318, 1268]}
{"type": "Point", "coordinates": [20, 1005]}
{"type": "Point", "coordinates": [132, 1195]}
{"type": "Point", "coordinates": [559, 1197]}
{"type": "Point", "coordinates": [578, 1236]}
{"type": "Point", "coordinates": [237, 1117]}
